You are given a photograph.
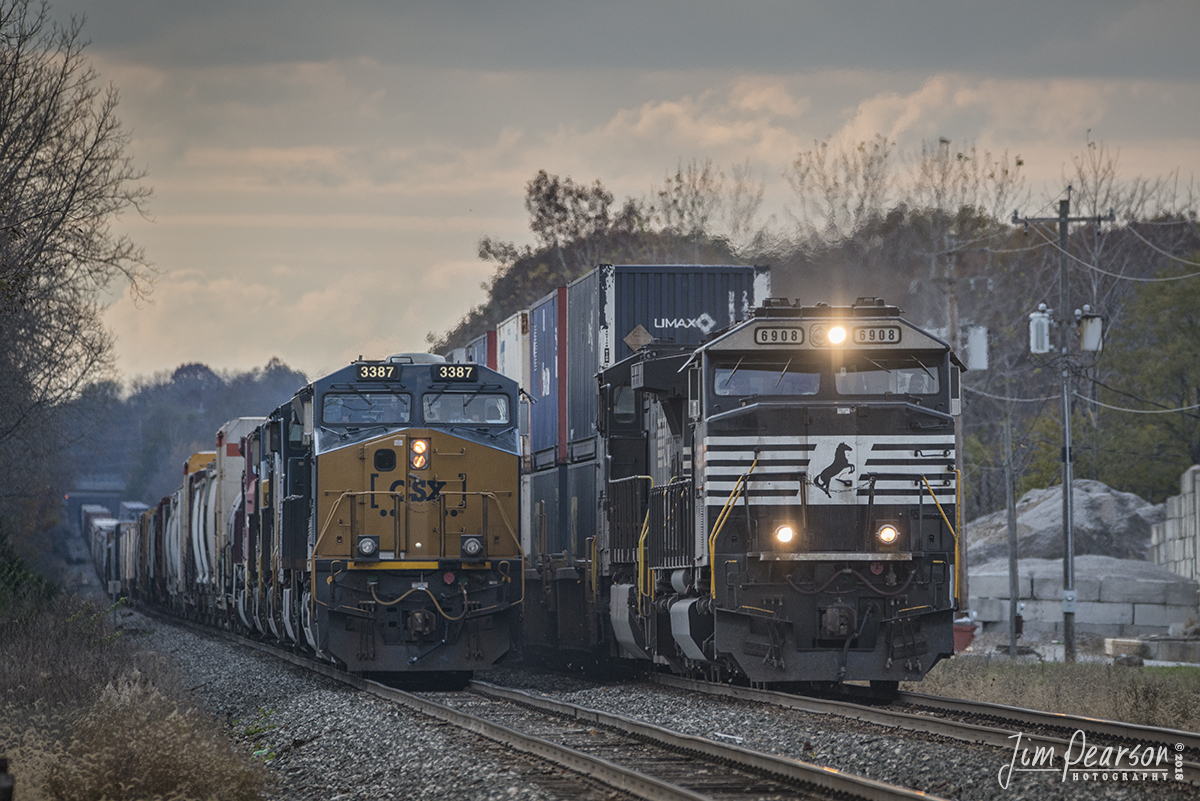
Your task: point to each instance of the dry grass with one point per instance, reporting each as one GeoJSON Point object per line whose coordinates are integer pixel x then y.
{"type": "Point", "coordinates": [85, 716]}
{"type": "Point", "coordinates": [1153, 696]}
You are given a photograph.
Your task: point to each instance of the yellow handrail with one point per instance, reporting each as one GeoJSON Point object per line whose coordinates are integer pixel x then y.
{"type": "Point", "coordinates": [953, 532]}
{"type": "Point", "coordinates": [726, 510]}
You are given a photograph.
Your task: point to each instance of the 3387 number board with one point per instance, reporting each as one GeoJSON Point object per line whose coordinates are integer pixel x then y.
{"type": "Point", "coordinates": [455, 372]}
{"type": "Point", "coordinates": [877, 335]}
{"type": "Point", "coordinates": [377, 372]}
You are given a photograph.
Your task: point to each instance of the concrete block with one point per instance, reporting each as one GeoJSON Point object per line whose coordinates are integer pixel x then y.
{"type": "Point", "coordinates": [1160, 615]}
{"type": "Point", "coordinates": [993, 586]}
{"type": "Point", "coordinates": [1043, 612]}
{"type": "Point", "coordinates": [1119, 647]}
{"type": "Point", "coordinates": [1180, 594]}
{"type": "Point", "coordinates": [1117, 589]}
{"type": "Point", "coordinates": [1102, 613]}
{"type": "Point", "coordinates": [1049, 588]}
{"type": "Point", "coordinates": [989, 610]}
{"type": "Point", "coordinates": [1174, 650]}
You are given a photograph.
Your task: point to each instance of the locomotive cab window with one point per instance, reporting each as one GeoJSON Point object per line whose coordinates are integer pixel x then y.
{"type": "Point", "coordinates": [880, 376]}
{"type": "Point", "coordinates": [365, 408]}
{"type": "Point", "coordinates": [781, 377]}
{"type": "Point", "coordinates": [624, 406]}
{"type": "Point", "coordinates": [474, 409]}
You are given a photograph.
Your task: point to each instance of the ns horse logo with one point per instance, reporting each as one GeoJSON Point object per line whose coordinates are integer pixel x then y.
{"type": "Point", "coordinates": [839, 465]}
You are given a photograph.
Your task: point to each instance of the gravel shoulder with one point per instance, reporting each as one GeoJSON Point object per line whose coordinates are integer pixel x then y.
{"type": "Point", "coordinates": [324, 740]}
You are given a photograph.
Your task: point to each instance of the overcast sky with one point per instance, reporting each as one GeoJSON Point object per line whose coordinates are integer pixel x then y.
{"type": "Point", "coordinates": [323, 171]}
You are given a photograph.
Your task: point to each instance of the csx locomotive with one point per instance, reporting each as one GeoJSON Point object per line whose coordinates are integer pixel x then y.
{"type": "Point", "coordinates": [371, 521]}
{"type": "Point", "coordinates": [777, 505]}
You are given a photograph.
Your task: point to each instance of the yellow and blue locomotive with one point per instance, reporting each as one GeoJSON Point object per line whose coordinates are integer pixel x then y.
{"type": "Point", "coordinates": [780, 503]}
{"type": "Point", "coordinates": [372, 520]}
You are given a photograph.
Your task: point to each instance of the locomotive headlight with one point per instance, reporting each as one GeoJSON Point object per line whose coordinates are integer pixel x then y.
{"type": "Point", "coordinates": [419, 454]}
{"type": "Point", "coordinates": [888, 533]}
{"type": "Point", "coordinates": [785, 534]}
{"type": "Point", "coordinates": [837, 335]}
{"type": "Point", "coordinates": [368, 546]}
{"type": "Point", "coordinates": [471, 546]}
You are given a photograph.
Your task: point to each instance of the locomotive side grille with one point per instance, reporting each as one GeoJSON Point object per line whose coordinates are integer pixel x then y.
{"type": "Point", "coordinates": [626, 514]}
{"type": "Point", "coordinates": [669, 543]}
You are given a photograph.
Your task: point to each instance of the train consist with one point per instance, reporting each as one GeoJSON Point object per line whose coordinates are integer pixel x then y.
{"type": "Point", "coordinates": [372, 521]}
{"type": "Point", "coordinates": [731, 485]}
{"type": "Point", "coordinates": [655, 464]}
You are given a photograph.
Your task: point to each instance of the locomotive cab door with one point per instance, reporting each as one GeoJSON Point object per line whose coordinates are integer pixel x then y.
{"type": "Point", "coordinates": [382, 510]}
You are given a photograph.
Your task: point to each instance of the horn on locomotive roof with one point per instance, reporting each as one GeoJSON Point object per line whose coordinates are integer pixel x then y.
{"type": "Point", "coordinates": [416, 358]}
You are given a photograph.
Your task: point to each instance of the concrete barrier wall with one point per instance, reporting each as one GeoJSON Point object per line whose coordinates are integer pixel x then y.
{"type": "Point", "coordinates": [1175, 543]}
{"type": "Point", "coordinates": [1114, 598]}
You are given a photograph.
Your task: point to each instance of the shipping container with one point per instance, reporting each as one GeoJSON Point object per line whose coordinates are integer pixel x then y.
{"type": "Point", "coordinates": [547, 366]}
{"type": "Point", "coordinates": [512, 361]}
{"type": "Point", "coordinates": [482, 350]}
{"type": "Point", "coordinates": [512, 348]}
{"type": "Point", "coordinates": [615, 309]}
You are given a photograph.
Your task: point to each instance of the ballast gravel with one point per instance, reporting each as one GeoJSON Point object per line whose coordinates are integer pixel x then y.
{"type": "Point", "coordinates": [324, 740]}
{"type": "Point", "coordinates": [935, 765]}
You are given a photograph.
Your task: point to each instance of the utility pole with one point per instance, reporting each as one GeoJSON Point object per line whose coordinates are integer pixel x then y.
{"type": "Point", "coordinates": [1064, 320]}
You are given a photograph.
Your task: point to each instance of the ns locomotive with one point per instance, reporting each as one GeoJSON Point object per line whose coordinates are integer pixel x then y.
{"type": "Point", "coordinates": [370, 521]}
{"type": "Point", "coordinates": [778, 505]}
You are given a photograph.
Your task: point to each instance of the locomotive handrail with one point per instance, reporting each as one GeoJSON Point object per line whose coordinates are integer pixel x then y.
{"type": "Point", "coordinates": [953, 533]}
{"type": "Point", "coordinates": [726, 510]}
{"type": "Point", "coordinates": [495, 496]}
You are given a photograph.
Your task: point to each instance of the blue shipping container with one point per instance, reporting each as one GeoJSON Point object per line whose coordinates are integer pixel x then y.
{"type": "Point", "coordinates": [614, 309]}
{"type": "Point", "coordinates": [547, 352]}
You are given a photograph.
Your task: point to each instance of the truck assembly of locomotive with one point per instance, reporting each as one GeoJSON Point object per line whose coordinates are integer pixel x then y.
{"type": "Point", "coordinates": [656, 463]}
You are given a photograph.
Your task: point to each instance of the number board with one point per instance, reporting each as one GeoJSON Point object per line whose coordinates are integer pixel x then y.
{"type": "Point", "coordinates": [877, 335]}
{"type": "Point", "coordinates": [455, 372]}
{"type": "Point", "coordinates": [778, 335]}
{"type": "Point", "coordinates": [377, 372]}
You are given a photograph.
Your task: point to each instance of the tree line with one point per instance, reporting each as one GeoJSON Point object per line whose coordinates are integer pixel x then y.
{"type": "Point", "coordinates": [931, 231]}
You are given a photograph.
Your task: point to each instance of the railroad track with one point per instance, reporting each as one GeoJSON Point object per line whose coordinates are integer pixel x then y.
{"type": "Point", "coordinates": [957, 719]}
{"type": "Point", "coordinates": [631, 756]}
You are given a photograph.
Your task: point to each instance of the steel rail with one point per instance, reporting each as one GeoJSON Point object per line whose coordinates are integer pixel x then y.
{"type": "Point", "coordinates": [791, 769]}
{"type": "Point", "coordinates": [596, 768]}
{"type": "Point", "coordinates": [601, 770]}
{"type": "Point", "coordinates": [1112, 728]}
{"type": "Point", "coordinates": [944, 727]}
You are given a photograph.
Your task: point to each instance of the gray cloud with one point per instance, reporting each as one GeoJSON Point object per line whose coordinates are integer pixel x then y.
{"type": "Point", "coordinates": [1099, 38]}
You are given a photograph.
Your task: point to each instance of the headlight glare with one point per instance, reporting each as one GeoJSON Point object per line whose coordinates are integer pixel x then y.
{"type": "Point", "coordinates": [888, 533]}
{"type": "Point", "coordinates": [785, 534]}
{"type": "Point", "coordinates": [418, 454]}
{"type": "Point", "coordinates": [837, 335]}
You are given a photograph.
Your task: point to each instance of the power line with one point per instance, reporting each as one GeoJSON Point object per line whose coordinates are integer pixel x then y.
{"type": "Point", "coordinates": [1155, 247]}
{"type": "Point", "coordinates": [1075, 258]}
{"type": "Point", "coordinates": [1005, 398]}
{"type": "Point", "coordinates": [1137, 411]}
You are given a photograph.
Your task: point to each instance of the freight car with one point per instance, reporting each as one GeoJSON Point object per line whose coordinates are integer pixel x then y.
{"type": "Point", "coordinates": [778, 504]}
{"type": "Point", "coordinates": [370, 521]}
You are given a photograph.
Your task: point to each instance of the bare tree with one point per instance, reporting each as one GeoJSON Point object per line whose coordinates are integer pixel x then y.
{"type": "Point", "coordinates": [64, 179]}
{"type": "Point", "coordinates": [839, 191]}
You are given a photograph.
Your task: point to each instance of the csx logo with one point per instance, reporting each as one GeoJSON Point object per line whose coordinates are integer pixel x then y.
{"type": "Point", "coordinates": [704, 322]}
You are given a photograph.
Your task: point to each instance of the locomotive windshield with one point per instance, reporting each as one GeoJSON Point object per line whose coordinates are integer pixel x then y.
{"type": "Point", "coordinates": [783, 377]}
{"type": "Point", "coordinates": [883, 376]}
{"type": "Point", "coordinates": [473, 408]}
{"type": "Point", "coordinates": [366, 408]}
